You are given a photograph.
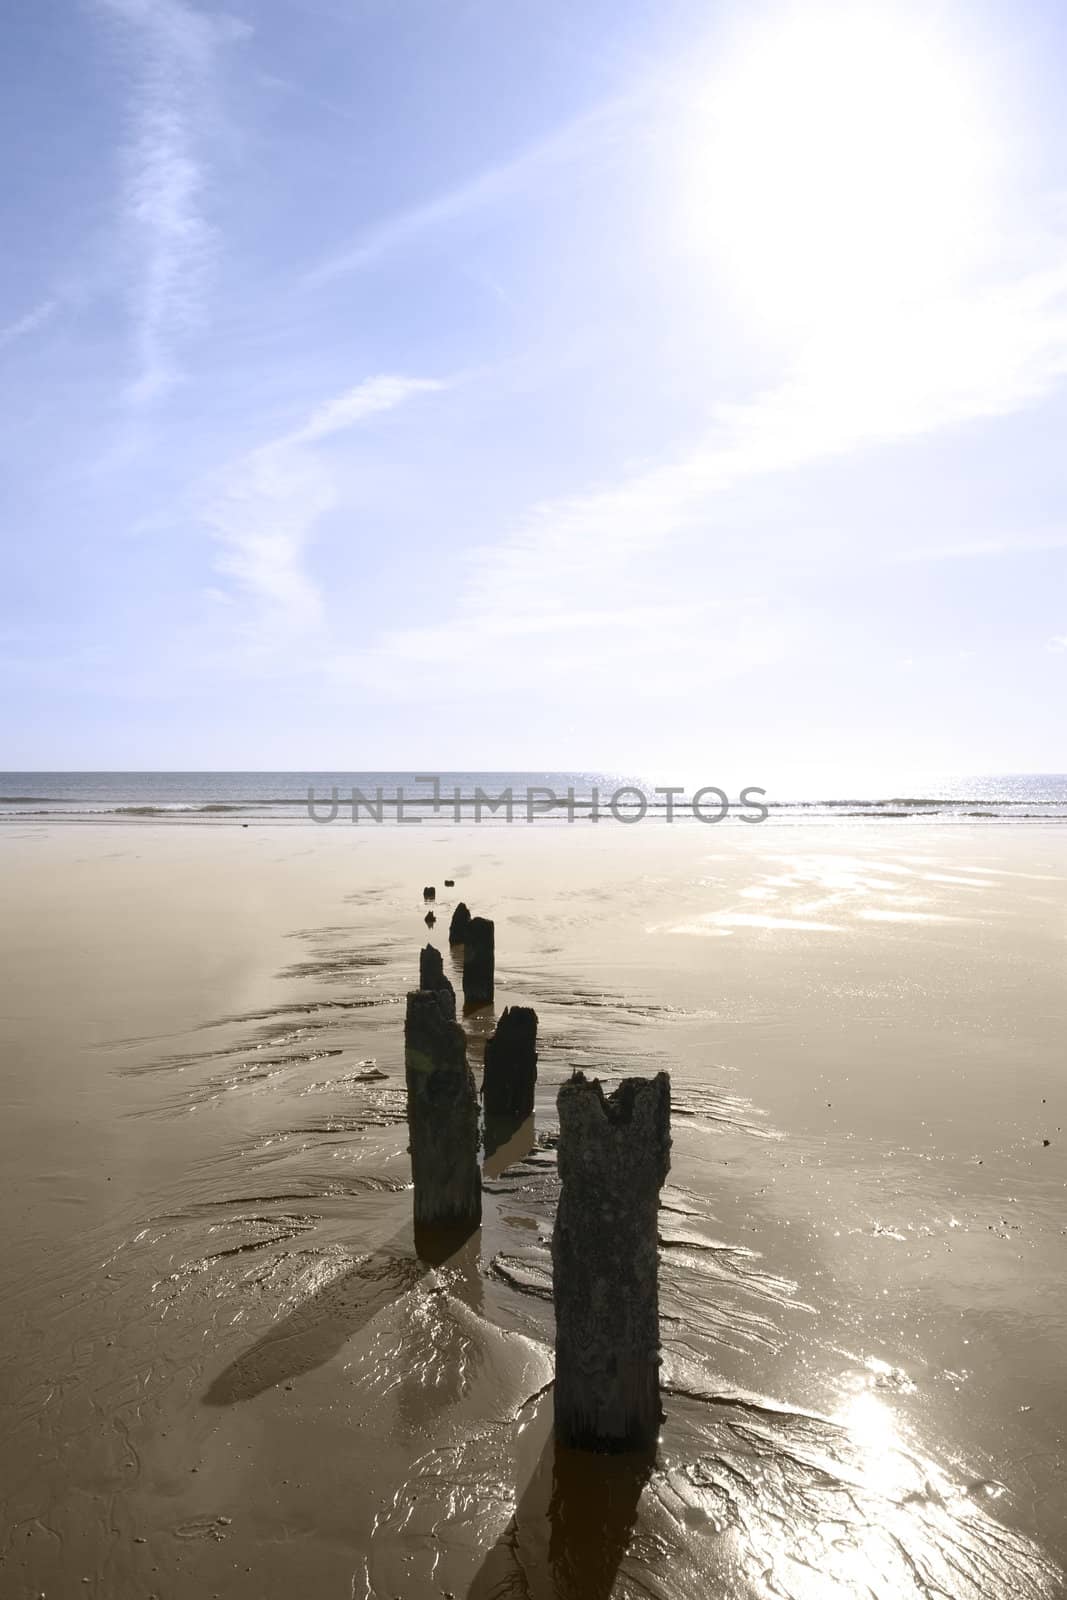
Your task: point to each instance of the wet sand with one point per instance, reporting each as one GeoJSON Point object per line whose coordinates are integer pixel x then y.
{"type": "Point", "coordinates": [225, 1370]}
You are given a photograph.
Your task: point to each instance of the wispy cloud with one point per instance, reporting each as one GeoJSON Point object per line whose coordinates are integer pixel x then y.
{"type": "Point", "coordinates": [356, 404]}
{"type": "Point", "coordinates": [921, 369]}
{"type": "Point", "coordinates": [173, 55]}
{"type": "Point", "coordinates": [29, 323]}
{"type": "Point", "coordinates": [263, 507]}
{"type": "Point", "coordinates": [494, 185]}
{"type": "Point", "coordinates": [1058, 644]}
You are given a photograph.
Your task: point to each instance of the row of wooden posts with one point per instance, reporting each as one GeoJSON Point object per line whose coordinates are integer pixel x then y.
{"type": "Point", "coordinates": [613, 1157]}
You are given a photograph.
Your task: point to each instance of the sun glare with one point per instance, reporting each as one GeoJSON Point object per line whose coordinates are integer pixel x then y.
{"type": "Point", "coordinates": [840, 163]}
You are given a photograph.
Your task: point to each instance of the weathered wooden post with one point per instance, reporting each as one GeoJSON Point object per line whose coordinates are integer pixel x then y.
{"type": "Point", "coordinates": [432, 975]}
{"type": "Point", "coordinates": [442, 1113]}
{"type": "Point", "coordinates": [614, 1154]}
{"type": "Point", "coordinates": [457, 928]}
{"type": "Point", "coordinates": [478, 962]}
{"type": "Point", "coordinates": [511, 1066]}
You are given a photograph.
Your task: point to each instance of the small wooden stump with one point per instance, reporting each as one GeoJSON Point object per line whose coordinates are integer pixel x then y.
{"type": "Point", "coordinates": [614, 1155]}
{"type": "Point", "coordinates": [457, 928]}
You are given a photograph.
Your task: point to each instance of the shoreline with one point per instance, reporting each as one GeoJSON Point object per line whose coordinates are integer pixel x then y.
{"type": "Point", "coordinates": [235, 817]}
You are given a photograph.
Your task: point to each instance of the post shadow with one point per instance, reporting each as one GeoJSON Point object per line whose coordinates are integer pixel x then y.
{"type": "Point", "coordinates": [428, 1389]}
{"type": "Point", "coordinates": [507, 1140]}
{"type": "Point", "coordinates": [320, 1327]}
{"type": "Point", "coordinates": [322, 1324]}
{"type": "Point", "coordinates": [571, 1529]}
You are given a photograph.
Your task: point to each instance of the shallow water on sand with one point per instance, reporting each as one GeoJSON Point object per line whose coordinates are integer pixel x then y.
{"type": "Point", "coordinates": [225, 1369]}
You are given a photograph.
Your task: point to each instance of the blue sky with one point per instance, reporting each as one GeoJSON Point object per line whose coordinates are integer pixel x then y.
{"type": "Point", "coordinates": [458, 383]}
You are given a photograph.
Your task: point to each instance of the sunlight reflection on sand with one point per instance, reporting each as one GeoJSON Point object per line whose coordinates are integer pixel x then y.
{"type": "Point", "coordinates": [822, 892]}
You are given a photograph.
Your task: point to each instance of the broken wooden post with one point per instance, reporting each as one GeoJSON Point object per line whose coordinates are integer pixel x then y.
{"type": "Point", "coordinates": [457, 928]}
{"type": "Point", "coordinates": [614, 1154]}
{"type": "Point", "coordinates": [421, 1035]}
{"type": "Point", "coordinates": [429, 893]}
{"type": "Point", "coordinates": [478, 962]}
{"type": "Point", "coordinates": [432, 975]}
{"type": "Point", "coordinates": [511, 1066]}
{"type": "Point", "coordinates": [442, 1112]}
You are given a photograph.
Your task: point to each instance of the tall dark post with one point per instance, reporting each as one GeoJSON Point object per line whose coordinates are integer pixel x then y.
{"type": "Point", "coordinates": [614, 1155]}
{"type": "Point", "coordinates": [511, 1065]}
{"type": "Point", "coordinates": [479, 961]}
{"type": "Point", "coordinates": [432, 974]}
{"type": "Point", "coordinates": [442, 1113]}
{"type": "Point", "coordinates": [457, 928]}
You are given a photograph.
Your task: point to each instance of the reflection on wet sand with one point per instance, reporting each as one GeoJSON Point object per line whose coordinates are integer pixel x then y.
{"type": "Point", "coordinates": [826, 893]}
{"type": "Point", "coordinates": [745, 1498]}
{"type": "Point", "coordinates": [571, 1530]}
{"type": "Point", "coordinates": [812, 1509]}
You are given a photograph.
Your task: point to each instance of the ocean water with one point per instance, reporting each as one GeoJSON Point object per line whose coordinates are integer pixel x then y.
{"type": "Point", "coordinates": [536, 797]}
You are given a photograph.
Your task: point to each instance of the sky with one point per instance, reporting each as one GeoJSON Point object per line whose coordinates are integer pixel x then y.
{"type": "Point", "coordinates": [516, 384]}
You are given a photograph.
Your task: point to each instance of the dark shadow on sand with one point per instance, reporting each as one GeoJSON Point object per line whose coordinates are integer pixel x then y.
{"type": "Point", "coordinates": [322, 1324]}
{"type": "Point", "coordinates": [507, 1140]}
{"type": "Point", "coordinates": [428, 1389]}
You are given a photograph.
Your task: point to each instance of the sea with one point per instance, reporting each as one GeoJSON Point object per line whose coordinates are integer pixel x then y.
{"type": "Point", "coordinates": [520, 798]}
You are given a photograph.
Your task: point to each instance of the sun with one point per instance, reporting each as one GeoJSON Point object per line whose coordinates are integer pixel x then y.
{"type": "Point", "coordinates": [838, 161]}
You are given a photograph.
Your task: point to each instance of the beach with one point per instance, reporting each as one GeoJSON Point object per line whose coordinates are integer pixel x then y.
{"type": "Point", "coordinates": [225, 1369]}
